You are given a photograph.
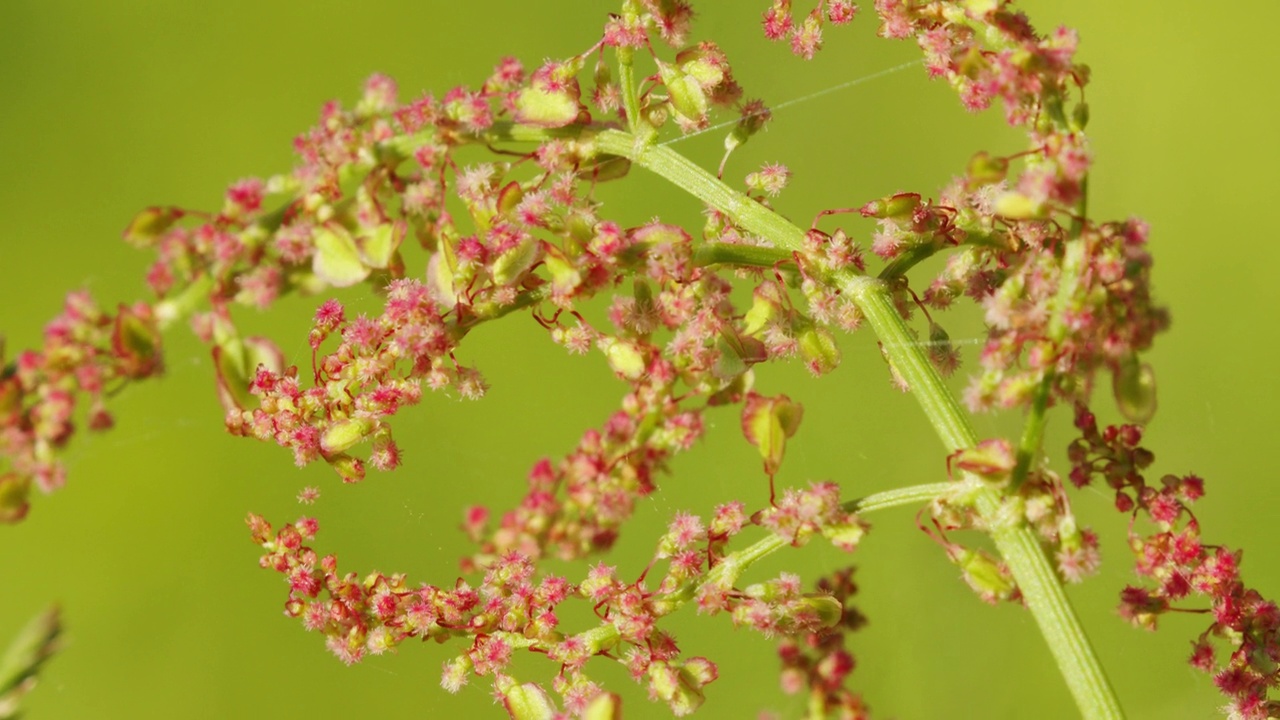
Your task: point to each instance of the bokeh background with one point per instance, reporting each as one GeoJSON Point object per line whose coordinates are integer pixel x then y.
{"type": "Point", "coordinates": [109, 107]}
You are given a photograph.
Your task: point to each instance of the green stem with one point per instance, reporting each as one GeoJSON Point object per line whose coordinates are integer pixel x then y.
{"type": "Point", "coordinates": [181, 306]}
{"type": "Point", "coordinates": [747, 255]}
{"type": "Point", "coordinates": [1041, 589]}
{"type": "Point", "coordinates": [627, 85]}
{"type": "Point", "coordinates": [1032, 432]}
{"type": "Point", "coordinates": [1072, 267]}
{"type": "Point", "coordinates": [1039, 584]}
{"type": "Point", "coordinates": [914, 255]}
{"type": "Point", "coordinates": [730, 568]}
{"type": "Point", "coordinates": [913, 495]}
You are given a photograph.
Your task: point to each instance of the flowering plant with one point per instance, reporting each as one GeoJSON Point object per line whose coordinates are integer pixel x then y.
{"type": "Point", "coordinates": [397, 196]}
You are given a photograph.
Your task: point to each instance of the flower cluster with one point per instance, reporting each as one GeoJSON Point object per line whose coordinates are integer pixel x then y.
{"type": "Point", "coordinates": [372, 179]}
{"type": "Point", "coordinates": [374, 372]}
{"type": "Point", "coordinates": [818, 661]}
{"type": "Point", "coordinates": [987, 50]}
{"type": "Point", "coordinates": [1063, 322]}
{"type": "Point", "coordinates": [383, 196]}
{"type": "Point", "coordinates": [805, 37]}
{"type": "Point", "coordinates": [577, 506]}
{"type": "Point", "coordinates": [1064, 297]}
{"type": "Point", "coordinates": [514, 607]}
{"type": "Point", "coordinates": [87, 355]}
{"type": "Point", "coordinates": [800, 514]}
{"type": "Point", "coordinates": [1055, 315]}
{"type": "Point", "coordinates": [1179, 564]}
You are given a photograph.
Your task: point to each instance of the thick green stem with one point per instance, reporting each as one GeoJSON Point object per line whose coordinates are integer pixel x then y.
{"type": "Point", "coordinates": [746, 255]}
{"type": "Point", "coordinates": [1041, 589]}
{"type": "Point", "coordinates": [1017, 543]}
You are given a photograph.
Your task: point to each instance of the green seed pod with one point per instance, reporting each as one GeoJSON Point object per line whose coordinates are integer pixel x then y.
{"type": "Point", "coordinates": [1080, 115]}
{"type": "Point", "coordinates": [1134, 386]}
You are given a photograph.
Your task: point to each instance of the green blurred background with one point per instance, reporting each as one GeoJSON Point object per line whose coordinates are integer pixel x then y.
{"type": "Point", "coordinates": [108, 107]}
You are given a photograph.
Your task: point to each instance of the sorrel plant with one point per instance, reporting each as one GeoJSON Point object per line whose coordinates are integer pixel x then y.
{"type": "Point", "coordinates": [496, 188]}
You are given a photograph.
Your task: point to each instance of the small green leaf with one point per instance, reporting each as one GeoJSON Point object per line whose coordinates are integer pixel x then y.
{"type": "Point", "coordinates": [14, 491]}
{"type": "Point", "coordinates": [34, 644]}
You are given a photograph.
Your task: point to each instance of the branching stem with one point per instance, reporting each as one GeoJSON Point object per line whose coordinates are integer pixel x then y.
{"type": "Point", "coordinates": [1041, 589]}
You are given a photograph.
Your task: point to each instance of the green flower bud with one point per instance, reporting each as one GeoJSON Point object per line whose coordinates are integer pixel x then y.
{"type": "Point", "coordinates": [512, 264]}
{"type": "Point", "coordinates": [687, 96]}
{"type": "Point", "coordinates": [679, 688]}
{"type": "Point", "coordinates": [350, 469]}
{"type": "Point", "coordinates": [540, 107]}
{"type": "Point", "coordinates": [980, 8]}
{"type": "Point", "coordinates": [764, 308]}
{"type": "Point", "coordinates": [525, 702]}
{"type": "Point", "coordinates": [767, 422]}
{"type": "Point", "coordinates": [828, 609]}
{"type": "Point", "coordinates": [150, 224]}
{"type": "Point", "coordinates": [135, 340]}
{"type": "Point", "coordinates": [605, 706]}
{"type": "Point", "coordinates": [819, 350]}
{"type": "Point", "coordinates": [346, 433]}
{"type": "Point", "coordinates": [846, 536]}
{"type": "Point", "coordinates": [1080, 115]}
{"type": "Point", "coordinates": [509, 197]}
{"type": "Point", "coordinates": [986, 170]}
{"type": "Point", "coordinates": [1016, 206]}
{"type": "Point", "coordinates": [990, 579]}
{"type": "Point", "coordinates": [894, 206]}
{"type": "Point", "coordinates": [992, 460]}
{"type": "Point", "coordinates": [337, 260]}
{"type": "Point", "coordinates": [565, 278]}
{"type": "Point", "coordinates": [625, 358]}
